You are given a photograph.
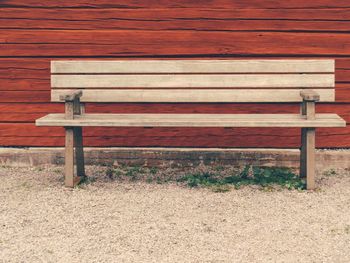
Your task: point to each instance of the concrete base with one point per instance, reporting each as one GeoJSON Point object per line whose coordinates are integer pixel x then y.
{"type": "Point", "coordinates": [176, 157]}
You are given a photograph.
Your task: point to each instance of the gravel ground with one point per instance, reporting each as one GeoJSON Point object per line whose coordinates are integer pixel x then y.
{"type": "Point", "coordinates": [109, 221]}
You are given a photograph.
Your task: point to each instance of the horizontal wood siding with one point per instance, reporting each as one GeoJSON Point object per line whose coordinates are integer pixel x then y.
{"type": "Point", "coordinates": [32, 33]}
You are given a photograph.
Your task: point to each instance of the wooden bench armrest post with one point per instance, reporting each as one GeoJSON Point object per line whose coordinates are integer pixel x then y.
{"type": "Point", "coordinates": [308, 105]}
{"type": "Point", "coordinates": [72, 103]}
{"type": "Point", "coordinates": [307, 149]}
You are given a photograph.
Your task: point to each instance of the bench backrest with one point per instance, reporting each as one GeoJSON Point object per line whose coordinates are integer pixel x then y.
{"type": "Point", "coordinates": [193, 80]}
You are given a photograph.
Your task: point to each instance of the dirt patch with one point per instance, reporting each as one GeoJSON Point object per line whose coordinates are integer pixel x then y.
{"type": "Point", "coordinates": [111, 221]}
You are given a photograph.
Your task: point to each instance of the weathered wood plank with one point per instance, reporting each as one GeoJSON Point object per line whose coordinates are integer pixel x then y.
{"type": "Point", "coordinates": [194, 81]}
{"type": "Point", "coordinates": [114, 16]}
{"type": "Point", "coordinates": [25, 96]}
{"type": "Point", "coordinates": [195, 95]}
{"type": "Point", "coordinates": [26, 113]}
{"type": "Point", "coordinates": [34, 73]}
{"type": "Point", "coordinates": [69, 110]}
{"type": "Point", "coordinates": [177, 137]}
{"type": "Point", "coordinates": [179, 3]}
{"type": "Point", "coordinates": [177, 18]}
{"type": "Point", "coordinates": [185, 137]}
{"type": "Point", "coordinates": [342, 95]}
{"type": "Point", "coordinates": [194, 66]}
{"type": "Point", "coordinates": [18, 78]}
{"type": "Point", "coordinates": [69, 158]}
{"type": "Point", "coordinates": [120, 43]}
{"type": "Point", "coordinates": [310, 158]}
{"type": "Point", "coordinates": [193, 120]}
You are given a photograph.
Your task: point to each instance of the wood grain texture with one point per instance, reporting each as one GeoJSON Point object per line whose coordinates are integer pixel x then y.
{"type": "Point", "coordinates": [28, 113]}
{"type": "Point", "coordinates": [193, 66]}
{"type": "Point", "coordinates": [157, 19]}
{"type": "Point", "coordinates": [193, 120]}
{"type": "Point", "coordinates": [193, 95]}
{"type": "Point", "coordinates": [178, 3]}
{"type": "Point", "coordinates": [69, 158]}
{"type": "Point", "coordinates": [28, 134]}
{"type": "Point", "coordinates": [310, 158]}
{"type": "Point", "coordinates": [35, 32]}
{"type": "Point", "coordinates": [121, 43]}
{"type": "Point", "coordinates": [194, 81]}
{"type": "Point", "coordinates": [342, 94]}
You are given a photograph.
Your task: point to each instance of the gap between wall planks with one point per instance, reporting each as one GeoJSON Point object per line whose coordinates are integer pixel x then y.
{"type": "Point", "coordinates": [314, 26]}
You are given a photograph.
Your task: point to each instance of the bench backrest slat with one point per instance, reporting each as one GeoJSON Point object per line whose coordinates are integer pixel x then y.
{"type": "Point", "coordinates": [195, 95]}
{"type": "Point", "coordinates": [193, 66]}
{"type": "Point", "coordinates": [193, 80]}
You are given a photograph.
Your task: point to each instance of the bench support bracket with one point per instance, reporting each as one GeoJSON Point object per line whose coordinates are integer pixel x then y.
{"type": "Point", "coordinates": [74, 139]}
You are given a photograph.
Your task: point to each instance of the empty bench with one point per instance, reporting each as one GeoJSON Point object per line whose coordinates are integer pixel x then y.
{"type": "Point", "coordinates": [190, 81]}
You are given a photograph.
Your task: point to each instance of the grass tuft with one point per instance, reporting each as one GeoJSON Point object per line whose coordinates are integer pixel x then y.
{"type": "Point", "coordinates": [86, 180]}
{"type": "Point", "coordinates": [330, 172]}
{"type": "Point", "coordinates": [218, 179]}
{"type": "Point", "coordinates": [265, 177]}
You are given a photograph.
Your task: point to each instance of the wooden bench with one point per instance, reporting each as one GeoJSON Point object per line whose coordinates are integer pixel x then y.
{"type": "Point", "coordinates": [186, 81]}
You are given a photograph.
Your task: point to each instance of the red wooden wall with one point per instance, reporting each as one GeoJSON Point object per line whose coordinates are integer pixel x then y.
{"type": "Point", "coordinates": [35, 32]}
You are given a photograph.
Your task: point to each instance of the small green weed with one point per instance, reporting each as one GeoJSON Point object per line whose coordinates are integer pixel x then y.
{"type": "Point", "coordinates": [219, 168]}
{"type": "Point", "coordinates": [86, 180]}
{"type": "Point", "coordinates": [39, 169]}
{"type": "Point", "coordinates": [330, 172]}
{"type": "Point", "coordinates": [159, 180]}
{"type": "Point", "coordinates": [205, 179]}
{"type": "Point", "coordinates": [153, 170]}
{"type": "Point", "coordinates": [57, 170]}
{"type": "Point", "coordinates": [262, 176]}
{"type": "Point", "coordinates": [134, 171]}
{"type": "Point", "coordinates": [220, 188]}
{"type": "Point", "coordinates": [219, 179]}
{"type": "Point", "coordinates": [113, 173]}
{"type": "Point", "coordinates": [341, 231]}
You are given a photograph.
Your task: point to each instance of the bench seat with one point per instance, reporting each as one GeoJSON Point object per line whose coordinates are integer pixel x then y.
{"type": "Point", "coordinates": [192, 120]}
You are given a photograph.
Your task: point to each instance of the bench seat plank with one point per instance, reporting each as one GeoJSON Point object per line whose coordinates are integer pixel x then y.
{"type": "Point", "coordinates": [193, 120]}
{"type": "Point", "coordinates": [193, 66]}
{"type": "Point", "coordinates": [194, 95]}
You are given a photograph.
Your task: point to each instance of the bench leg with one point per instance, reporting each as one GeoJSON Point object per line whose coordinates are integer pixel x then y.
{"type": "Point", "coordinates": [307, 157]}
{"type": "Point", "coordinates": [70, 180]}
{"type": "Point", "coordinates": [69, 158]}
{"type": "Point", "coordinates": [79, 151]}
